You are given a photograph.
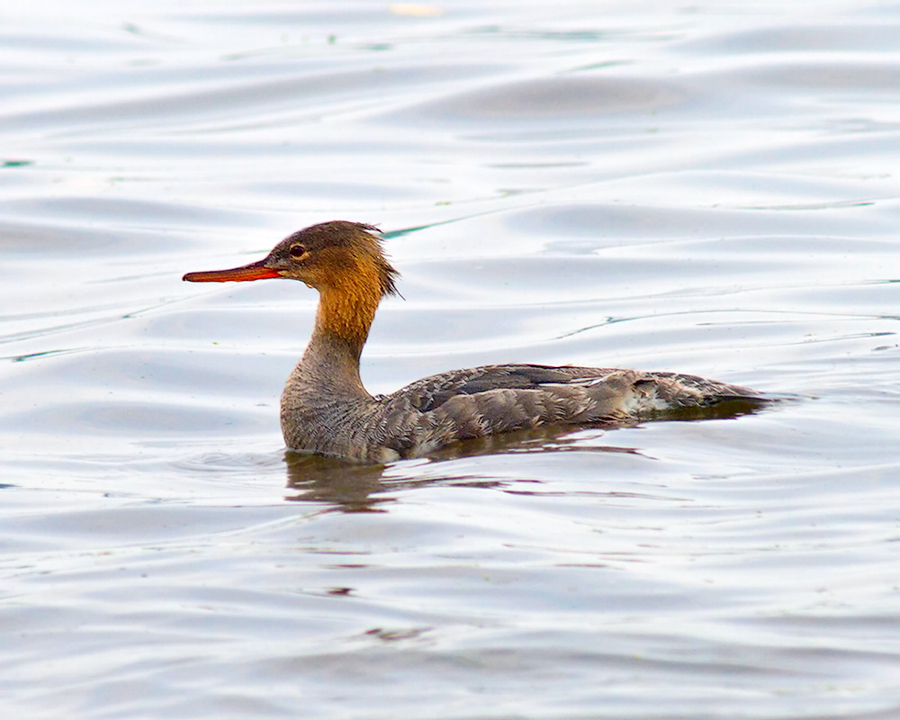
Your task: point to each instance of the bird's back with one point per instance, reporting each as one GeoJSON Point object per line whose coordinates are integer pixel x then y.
{"type": "Point", "coordinates": [491, 399]}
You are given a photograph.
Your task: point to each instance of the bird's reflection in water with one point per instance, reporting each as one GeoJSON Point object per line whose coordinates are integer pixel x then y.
{"type": "Point", "coordinates": [352, 487]}
{"type": "Point", "coordinates": [348, 486]}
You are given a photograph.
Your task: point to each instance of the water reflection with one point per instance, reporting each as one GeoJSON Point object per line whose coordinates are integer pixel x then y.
{"type": "Point", "coordinates": [346, 485]}
{"type": "Point", "coordinates": [353, 487]}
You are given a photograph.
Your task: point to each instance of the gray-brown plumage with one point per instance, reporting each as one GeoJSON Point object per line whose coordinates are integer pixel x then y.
{"type": "Point", "coordinates": [325, 409]}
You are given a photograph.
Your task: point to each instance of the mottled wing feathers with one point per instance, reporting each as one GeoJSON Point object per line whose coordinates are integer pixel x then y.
{"type": "Point", "coordinates": [500, 398]}
{"type": "Point", "coordinates": [675, 390]}
{"type": "Point", "coordinates": [430, 393]}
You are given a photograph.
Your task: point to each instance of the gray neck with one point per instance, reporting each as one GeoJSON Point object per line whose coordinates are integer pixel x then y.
{"type": "Point", "coordinates": [332, 364]}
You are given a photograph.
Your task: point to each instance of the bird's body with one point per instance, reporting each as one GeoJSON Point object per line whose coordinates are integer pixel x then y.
{"type": "Point", "coordinates": [325, 408]}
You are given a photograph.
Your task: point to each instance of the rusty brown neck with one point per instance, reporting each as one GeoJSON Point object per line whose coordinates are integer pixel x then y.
{"type": "Point", "coordinates": [342, 325]}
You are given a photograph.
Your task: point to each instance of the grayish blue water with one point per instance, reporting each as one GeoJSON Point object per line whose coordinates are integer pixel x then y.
{"type": "Point", "coordinates": [710, 188]}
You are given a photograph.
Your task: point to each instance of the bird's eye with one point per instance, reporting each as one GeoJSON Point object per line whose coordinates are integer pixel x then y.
{"type": "Point", "coordinates": [297, 251]}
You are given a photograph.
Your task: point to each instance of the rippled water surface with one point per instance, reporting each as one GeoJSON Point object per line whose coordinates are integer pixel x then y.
{"type": "Point", "coordinates": [708, 187]}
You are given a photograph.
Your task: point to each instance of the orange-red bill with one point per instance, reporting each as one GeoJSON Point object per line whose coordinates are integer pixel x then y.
{"type": "Point", "coordinates": [256, 271]}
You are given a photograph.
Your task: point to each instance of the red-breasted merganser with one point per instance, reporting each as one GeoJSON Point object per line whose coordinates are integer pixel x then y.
{"type": "Point", "coordinates": [326, 410]}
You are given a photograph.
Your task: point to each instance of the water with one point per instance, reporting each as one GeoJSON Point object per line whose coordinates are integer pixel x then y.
{"type": "Point", "coordinates": [708, 188]}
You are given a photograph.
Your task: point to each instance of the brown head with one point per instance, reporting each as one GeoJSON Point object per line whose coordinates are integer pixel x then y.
{"type": "Point", "coordinates": [327, 255]}
{"type": "Point", "coordinates": [343, 260]}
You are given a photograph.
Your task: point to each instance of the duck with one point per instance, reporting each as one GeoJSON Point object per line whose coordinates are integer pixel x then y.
{"type": "Point", "coordinates": [326, 409]}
